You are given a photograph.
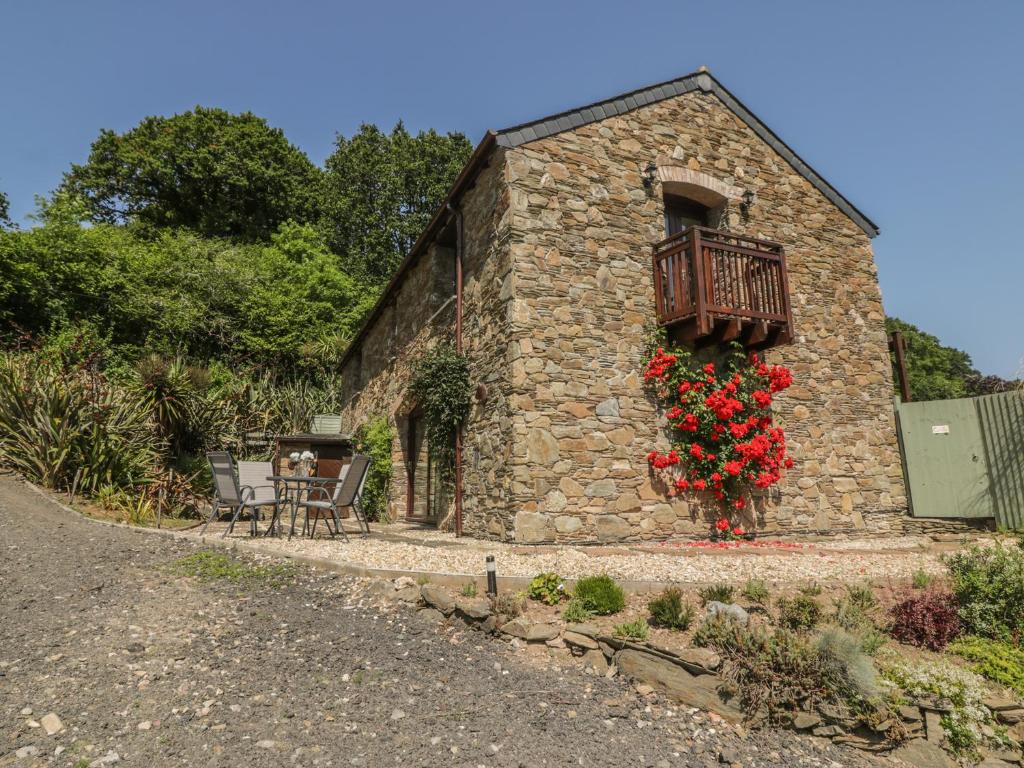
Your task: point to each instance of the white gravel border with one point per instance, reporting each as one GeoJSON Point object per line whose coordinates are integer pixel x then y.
{"type": "Point", "coordinates": [435, 552]}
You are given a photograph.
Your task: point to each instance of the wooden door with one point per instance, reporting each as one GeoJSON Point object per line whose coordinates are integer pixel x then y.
{"type": "Point", "coordinates": [418, 504]}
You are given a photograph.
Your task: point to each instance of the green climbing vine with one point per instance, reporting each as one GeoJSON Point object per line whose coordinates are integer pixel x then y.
{"type": "Point", "coordinates": [374, 438]}
{"type": "Point", "coordinates": [440, 384]}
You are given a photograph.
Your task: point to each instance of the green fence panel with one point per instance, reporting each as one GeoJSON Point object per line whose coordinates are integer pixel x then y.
{"type": "Point", "coordinates": [1002, 427]}
{"type": "Point", "coordinates": [965, 457]}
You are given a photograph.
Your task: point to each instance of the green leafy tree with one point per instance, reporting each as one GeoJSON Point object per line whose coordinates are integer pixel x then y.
{"type": "Point", "coordinates": [122, 293]}
{"type": "Point", "coordinates": [381, 192]}
{"type": "Point", "coordinates": [938, 372]}
{"type": "Point", "coordinates": [217, 173]}
{"type": "Point", "coordinates": [5, 211]}
{"type": "Point", "coordinates": [302, 308]}
{"type": "Point", "coordinates": [935, 371]}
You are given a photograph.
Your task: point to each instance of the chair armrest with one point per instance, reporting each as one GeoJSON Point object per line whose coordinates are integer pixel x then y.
{"type": "Point", "coordinates": [320, 490]}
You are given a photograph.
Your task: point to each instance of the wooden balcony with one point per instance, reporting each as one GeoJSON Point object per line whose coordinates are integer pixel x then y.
{"type": "Point", "coordinates": [712, 287]}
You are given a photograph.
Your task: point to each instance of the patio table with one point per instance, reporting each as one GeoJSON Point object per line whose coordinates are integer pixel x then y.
{"type": "Point", "coordinates": [294, 487]}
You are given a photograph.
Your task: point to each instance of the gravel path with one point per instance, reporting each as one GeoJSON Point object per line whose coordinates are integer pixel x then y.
{"type": "Point", "coordinates": [128, 663]}
{"type": "Point", "coordinates": [777, 562]}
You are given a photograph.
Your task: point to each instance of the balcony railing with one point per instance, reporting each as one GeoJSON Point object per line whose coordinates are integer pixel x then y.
{"type": "Point", "coordinates": [712, 286]}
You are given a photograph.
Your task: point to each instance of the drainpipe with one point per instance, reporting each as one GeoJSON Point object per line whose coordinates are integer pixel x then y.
{"type": "Point", "coordinates": [458, 348]}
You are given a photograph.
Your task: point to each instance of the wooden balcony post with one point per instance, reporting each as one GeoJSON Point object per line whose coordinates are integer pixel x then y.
{"type": "Point", "coordinates": [659, 296]}
{"type": "Point", "coordinates": [701, 278]}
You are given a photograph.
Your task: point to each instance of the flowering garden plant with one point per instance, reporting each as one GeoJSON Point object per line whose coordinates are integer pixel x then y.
{"type": "Point", "coordinates": [722, 435]}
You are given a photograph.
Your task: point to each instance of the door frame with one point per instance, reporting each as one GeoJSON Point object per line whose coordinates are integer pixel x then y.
{"type": "Point", "coordinates": [412, 462]}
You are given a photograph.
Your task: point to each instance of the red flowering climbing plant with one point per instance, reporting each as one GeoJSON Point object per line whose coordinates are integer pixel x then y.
{"type": "Point", "coordinates": [722, 434]}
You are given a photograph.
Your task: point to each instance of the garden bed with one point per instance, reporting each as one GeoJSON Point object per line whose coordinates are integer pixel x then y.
{"type": "Point", "coordinates": [866, 665]}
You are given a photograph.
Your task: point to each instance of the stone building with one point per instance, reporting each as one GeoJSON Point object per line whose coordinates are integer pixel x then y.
{"type": "Point", "coordinates": [545, 250]}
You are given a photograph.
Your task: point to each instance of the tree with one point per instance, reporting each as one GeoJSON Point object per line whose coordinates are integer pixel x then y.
{"type": "Point", "coordinates": [5, 211]}
{"type": "Point", "coordinates": [219, 174]}
{"type": "Point", "coordinates": [938, 372]}
{"type": "Point", "coordinates": [124, 292]}
{"type": "Point", "coordinates": [381, 192]}
{"type": "Point", "coordinates": [302, 308]}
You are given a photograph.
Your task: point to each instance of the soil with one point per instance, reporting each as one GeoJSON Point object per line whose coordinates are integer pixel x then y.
{"type": "Point", "coordinates": [145, 666]}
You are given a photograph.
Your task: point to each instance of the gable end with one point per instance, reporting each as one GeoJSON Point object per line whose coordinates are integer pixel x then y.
{"type": "Point", "coordinates": [703, 81]}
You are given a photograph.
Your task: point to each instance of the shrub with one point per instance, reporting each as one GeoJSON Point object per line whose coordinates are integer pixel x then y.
{"type": "Point", "coordinates": [861, 598]}
{"type": "Point", "coordinates": [846, 650]}
{"type": "Point", "coordinates": [468, 589]}
{"type": "Point", "coordinates": [756, 591]}
{"type": "Point", "coordinates": [634, 630]}
{"type": "Point", "coordinates": [776, 673]}
{"type": "Point", "coordinates": [921, 579]}
{"type": "Point", "coordinates": [1000, 662]}
{"type": "Point", "coordinates": [374, 439]}
{"type": "Point", "coordinates": [965, 725]}
{"type": "Point", "coordinates": [669, 611]}
{"type": "Point", "coordinates": [855, 613]}
{"type": "Point", "coordinates": [600, 595]}
{"type": "Point", "coordinates": [989, 588]}
{"type": "Point", "coordinates": [547, 588]}
{"type": "Point", "coordinates": [811, 590]}
{"type": "Point", "coordinates": [62, 425]}
{"type": "Point", "coordinates": [721, 593]}
{"type": "Point", "coordinates": [714, 631]}
{"type": "Point", "coordinates": [926, 620]}
{"type": "Point", "coordinates": [871, 641]}
{"type": "Point", "coordinates": [576, 612]}
{"type": "Point", "coordinates": [800, 614]}
{"type": "Point", "coordinates": [509, 604]}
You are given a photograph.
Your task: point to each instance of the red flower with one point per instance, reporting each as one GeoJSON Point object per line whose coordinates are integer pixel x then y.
{"type": "Point", "coordinates": [738, 531]}
{"type": "Point", "coordinates": [722, 524]}
{"type": "Point", "coordinates": [779, 378]}
{"type": "Point", "coordinates": [722, 428]}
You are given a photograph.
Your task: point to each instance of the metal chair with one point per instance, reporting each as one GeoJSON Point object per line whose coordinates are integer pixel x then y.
{"type": "Point", "coordinates": [348, 488]}
{"type": "Point", "coordinates": [225, 487]}
{"type": "Point", "coordinates": [256, 492]}
{"type": "Point", "coordinates": [229, 493]}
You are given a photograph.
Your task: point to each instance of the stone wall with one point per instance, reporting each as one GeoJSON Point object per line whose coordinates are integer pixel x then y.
{"type": "Point", "coordinates": [581, 229]}
{"type": "Point", "coordinates": [420, 313]}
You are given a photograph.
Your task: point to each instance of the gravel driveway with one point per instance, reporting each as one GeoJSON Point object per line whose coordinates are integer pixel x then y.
{"type": "Point", "coordinates": [142, 666]}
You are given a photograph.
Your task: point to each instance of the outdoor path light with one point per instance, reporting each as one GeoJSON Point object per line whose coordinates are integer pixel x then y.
{"type": "Point", "coordinates": [492, 576]}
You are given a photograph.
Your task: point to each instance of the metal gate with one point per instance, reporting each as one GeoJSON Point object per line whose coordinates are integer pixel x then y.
{"type": "Point", "coordinates": [965, 457]}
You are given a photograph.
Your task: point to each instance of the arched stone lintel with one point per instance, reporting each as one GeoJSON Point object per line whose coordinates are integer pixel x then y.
{"type": "Point", "coordinates": [697, 185]}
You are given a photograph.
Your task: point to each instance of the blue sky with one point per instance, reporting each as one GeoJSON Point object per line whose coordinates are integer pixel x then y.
{"type": "Point", "coordinates": [912, 109]}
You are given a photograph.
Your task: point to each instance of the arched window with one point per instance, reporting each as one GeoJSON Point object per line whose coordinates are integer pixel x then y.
{"type": "Point", "coordinates": [694, 198]}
